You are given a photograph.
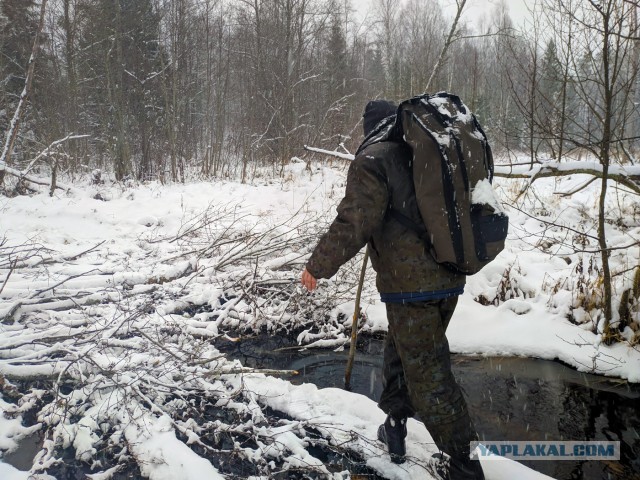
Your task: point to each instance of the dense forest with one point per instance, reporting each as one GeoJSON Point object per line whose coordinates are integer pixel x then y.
{"type": "Point", "coordinates": [158, 89]}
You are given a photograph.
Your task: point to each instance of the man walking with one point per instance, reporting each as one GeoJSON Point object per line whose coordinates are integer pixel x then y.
{"type": "Point", "coordinates": [420, 297]}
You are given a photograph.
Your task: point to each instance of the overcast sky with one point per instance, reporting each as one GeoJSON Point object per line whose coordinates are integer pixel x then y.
{"type": "Point", "coordinates": [517, 8]}
{"type": "Point", "coordinates": [475, 9]}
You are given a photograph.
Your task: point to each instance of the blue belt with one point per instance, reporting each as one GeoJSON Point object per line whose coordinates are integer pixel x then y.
{"type": "Point", "coordinates": [409, 297]}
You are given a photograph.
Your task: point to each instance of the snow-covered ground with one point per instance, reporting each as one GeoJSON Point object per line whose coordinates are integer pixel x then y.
{"type": "Point", "coordinates": [112, 298]}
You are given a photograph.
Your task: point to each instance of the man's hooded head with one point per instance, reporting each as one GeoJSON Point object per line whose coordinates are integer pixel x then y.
{"type": "Point", "coordinates": [376, 111]}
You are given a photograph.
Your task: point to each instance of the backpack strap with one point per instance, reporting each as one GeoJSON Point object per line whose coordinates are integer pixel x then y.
{"type": "Point", "coordinates": [386, 130]}
{"type": "Point", "coordinates": [488, 155]}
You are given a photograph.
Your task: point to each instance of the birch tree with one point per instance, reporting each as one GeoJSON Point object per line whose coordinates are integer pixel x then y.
{"type": "Point", "coordinates": [14, 124]}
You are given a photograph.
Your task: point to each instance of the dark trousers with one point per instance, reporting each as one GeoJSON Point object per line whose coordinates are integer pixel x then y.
{"type": "Point", "coordinates": [417, 374]}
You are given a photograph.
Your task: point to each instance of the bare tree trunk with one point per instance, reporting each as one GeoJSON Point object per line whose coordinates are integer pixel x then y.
{"type": "Point", "coordinates": [450, 39]}
{"type": "Point", "coordinates": [221, 102]}
{"type": "Point", "coordinates": [532, 105]}
{"type": "Point", "coordinates": [5, 157]}
{"type": "Point", "coordinates": [208, 158]}
{"type": "Point", "coordinates": [115, 88]}
{"type": "Point", "coordinates": [72, 94]}
{"type": "Point", "coordinates": [633, 93]}
{"type": "Point", "coordinates": [388, 12]}
{"type": "Point", "coordinates": [563, 98]}
{"type": "Point", "coordinates": [605, 159]}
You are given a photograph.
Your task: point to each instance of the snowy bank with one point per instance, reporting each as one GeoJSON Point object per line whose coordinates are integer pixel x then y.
{"type": "Point", "coordinates": [116, 305]}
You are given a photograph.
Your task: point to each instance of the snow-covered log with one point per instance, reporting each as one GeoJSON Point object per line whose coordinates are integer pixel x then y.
{"type": "Point", "coordinates": [20, 174]}
{"type": "Point", "coordinates": [628, 175]}
{"type": "Point", "coordinates": [25, 175]}
{"type": "Point", "coordinates": [333, 153]}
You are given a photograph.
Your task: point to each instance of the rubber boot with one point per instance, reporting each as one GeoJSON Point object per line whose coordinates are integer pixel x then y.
{"type": "Point", "coordinates": [463, 468]}
{"type": "Point", "coordinates": [393, 433]}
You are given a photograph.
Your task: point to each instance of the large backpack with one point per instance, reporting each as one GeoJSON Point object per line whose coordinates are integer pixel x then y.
{"type": "Point", "coordinates": [463, 222]}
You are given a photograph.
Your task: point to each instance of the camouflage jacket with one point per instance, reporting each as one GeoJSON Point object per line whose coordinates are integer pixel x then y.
{"type": "Point", "coordinates": [378, 180]}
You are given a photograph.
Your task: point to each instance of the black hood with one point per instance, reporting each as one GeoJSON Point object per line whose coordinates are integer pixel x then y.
{"type": "Point", "coordinates": [375, 112]}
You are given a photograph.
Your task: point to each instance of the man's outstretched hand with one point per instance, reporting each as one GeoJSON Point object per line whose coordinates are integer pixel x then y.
{"type": "Point", "coordinates": [308, 280]}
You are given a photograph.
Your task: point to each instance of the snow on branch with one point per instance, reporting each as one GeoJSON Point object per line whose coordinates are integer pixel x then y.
{"type": "Point", "coordinates": [24, 175]}
{"type": "Point", "coordinates": [138, 336]}
{"type": "Point", "coordinates": [51, 149]}
{"type": "Point", "coordinates": [333, 153]}
{"type": "Point", "coordinates": [629, 175]}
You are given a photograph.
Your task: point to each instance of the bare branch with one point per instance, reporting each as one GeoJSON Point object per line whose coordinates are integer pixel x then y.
{"type": "Point", "coordinates": [447, 44]}
{"type": "Point", "coordinates": [12, 267]}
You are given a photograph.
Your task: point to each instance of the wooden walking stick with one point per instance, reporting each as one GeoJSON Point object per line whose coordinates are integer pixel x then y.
{"type": "Point", "coordinates": [354, 325]}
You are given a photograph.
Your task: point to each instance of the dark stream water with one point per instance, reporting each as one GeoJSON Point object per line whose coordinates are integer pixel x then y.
{"type": "Point", "coordinates": [515, 399]}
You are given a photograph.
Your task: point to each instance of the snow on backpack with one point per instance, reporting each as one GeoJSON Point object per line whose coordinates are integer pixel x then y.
{"type": "Point", "coordinates": [463, 222]}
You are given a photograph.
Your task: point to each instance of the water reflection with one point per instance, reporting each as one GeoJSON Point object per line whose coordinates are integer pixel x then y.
{"type": "Point", "coordinates": [509, 398]}
{"type": "Point", "coordinates": [528, 399]}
